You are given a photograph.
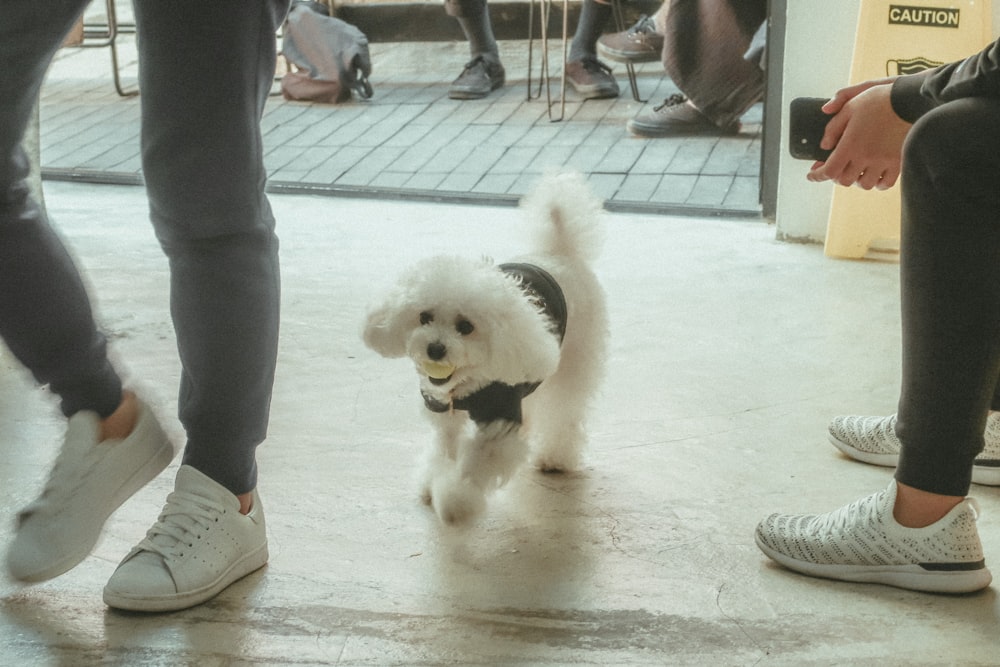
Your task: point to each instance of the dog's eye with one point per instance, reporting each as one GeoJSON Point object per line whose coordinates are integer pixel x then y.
{"type": "Point", "coordinates": [426, 317]}
{"type": "Point", "coordinates": [464, 327]}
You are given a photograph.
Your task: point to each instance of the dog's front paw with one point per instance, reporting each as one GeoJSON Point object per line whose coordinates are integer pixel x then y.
{"type": "Point", "coordinates": [456, 501]}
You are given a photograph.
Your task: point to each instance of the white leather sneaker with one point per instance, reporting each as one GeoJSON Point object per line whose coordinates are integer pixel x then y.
{"type": "Point", "coordinates": [199, 545]}
{"type": "Point", "coordinates": [88, 482]}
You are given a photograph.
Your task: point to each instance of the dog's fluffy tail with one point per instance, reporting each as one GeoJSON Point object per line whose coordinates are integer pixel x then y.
{"type": "Point", "coordinates": [566, 216]}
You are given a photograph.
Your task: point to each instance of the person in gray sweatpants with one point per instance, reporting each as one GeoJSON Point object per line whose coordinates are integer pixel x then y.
{"type": "Point", "coordinates": [205, 73]}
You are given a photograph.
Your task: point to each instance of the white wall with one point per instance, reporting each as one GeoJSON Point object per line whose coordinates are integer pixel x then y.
{"type": "Point", "coordinates": [819, 41]}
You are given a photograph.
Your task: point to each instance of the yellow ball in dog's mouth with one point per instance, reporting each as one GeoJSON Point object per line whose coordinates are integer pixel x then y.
{"type": "Point", "coordinates": [437, 370]}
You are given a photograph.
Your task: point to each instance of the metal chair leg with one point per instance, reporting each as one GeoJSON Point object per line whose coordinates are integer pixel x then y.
{"type": "Point", "coordinates": [108, 36]}
{"type": "Point", "coordinates": [619, 13]}
{"type": "Point", "coordinates": [545, 11]}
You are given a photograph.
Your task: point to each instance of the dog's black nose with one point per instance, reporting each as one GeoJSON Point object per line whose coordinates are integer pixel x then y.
{"type": "Point", "coordinates": [436, 351]}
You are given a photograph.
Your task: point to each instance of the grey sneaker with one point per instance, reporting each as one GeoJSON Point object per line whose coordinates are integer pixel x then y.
{"type": "Point", "coordinates": [639, 44]}
{"type": "Point", "coordinates": [873, 440]}
{"type": "Point", "coordinates": [199, 545]}
{"type": "Point", "coordinates": [863, 543]}
{"type": "Point", "coordinates": [479, 78]}
{"type": "Point", "coordinates": [676, 117]}
{"type": "Point", "coordinates": [88, 482]}
{"type": "Point", "coordinates": [591, 78]}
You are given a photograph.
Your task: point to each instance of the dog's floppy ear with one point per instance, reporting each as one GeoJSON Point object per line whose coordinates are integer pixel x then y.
{"type": "Point", "coordinates": [387, 325]}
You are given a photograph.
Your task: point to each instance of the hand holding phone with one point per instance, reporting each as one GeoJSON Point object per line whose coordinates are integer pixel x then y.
{"type": "Point", "coordinates": [807, 123]}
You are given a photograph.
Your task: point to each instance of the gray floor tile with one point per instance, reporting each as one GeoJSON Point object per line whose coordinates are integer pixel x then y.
{"type": "Point", "coordinates": [502, 141]}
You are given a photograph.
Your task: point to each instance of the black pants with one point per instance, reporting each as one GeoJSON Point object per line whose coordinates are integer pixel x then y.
{"type": "Point", "coordinates": [950, 282]}
{"type": "Point", "coordinates": [205, 72]}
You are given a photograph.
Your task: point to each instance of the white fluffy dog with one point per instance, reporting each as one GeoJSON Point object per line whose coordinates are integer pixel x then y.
{"type": "Point", "coordinates": [488, 340]}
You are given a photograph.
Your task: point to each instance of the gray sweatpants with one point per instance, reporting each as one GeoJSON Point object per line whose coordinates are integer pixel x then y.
{"type": "Point", "coordinates": [205, 73]}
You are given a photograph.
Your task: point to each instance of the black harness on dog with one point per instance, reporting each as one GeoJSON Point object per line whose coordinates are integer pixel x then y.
{"type": "Point", "coordinates": [497, 400]}
{"type": "Point", "coordinates": [544, 291]}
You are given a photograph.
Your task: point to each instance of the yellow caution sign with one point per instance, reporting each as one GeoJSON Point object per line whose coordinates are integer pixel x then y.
{"type": "Point", "coordinates": [898, 38]}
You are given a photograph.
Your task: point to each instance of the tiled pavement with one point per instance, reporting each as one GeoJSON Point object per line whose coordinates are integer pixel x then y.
{"type": "Point", "coordinates": [411, 141]}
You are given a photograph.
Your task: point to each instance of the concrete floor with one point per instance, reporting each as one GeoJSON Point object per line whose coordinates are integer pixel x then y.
{"type": "Point", "coordinates": [730, 353]}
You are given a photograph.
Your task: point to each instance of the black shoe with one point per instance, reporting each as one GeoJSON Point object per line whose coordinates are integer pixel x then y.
{"type": "Point", "coordinates": [591, 78]}
{"type": "Point", "coordinates": [479, 78]}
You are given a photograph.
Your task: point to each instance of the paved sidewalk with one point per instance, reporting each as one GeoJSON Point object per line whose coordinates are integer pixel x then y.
{"type": "Point", "coordinates": [410, 141]}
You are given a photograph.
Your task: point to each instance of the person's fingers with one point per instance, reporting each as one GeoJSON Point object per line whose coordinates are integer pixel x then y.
{"type": "Point", "coordinates": [869, 179]}
{"type": "Point", "coordinates": [889, 178]}
{"type": "Point", "coordinates": [848, 175]}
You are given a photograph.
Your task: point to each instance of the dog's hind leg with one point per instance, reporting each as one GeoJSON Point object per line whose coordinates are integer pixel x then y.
{"type": "Point", "coordinates": [555, 418]}
{"type": "Point", "coordinates": [555, 415]}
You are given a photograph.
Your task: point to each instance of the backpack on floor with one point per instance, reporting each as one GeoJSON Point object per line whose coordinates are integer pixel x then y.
{"type": "Point", "coordinates": [331, 56]}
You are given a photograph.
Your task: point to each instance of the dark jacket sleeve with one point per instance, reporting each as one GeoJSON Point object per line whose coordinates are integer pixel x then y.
{"type": "Point", "coordinates": [976, 76]}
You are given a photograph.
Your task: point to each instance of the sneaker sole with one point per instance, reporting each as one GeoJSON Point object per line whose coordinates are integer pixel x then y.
{"type": "Point", "coordinates": [149, 470]}
{"type": "Point", "coordinates": [596, 92]}
{"type": "Point", "coordinates": [658, 132]}
{"type": "Point", "coordinates": [628, 56]}
{"type": "Point", "coordinates": [460, 94]}
{"type": "Point", "coordinates": [884, 460]}
{"type": "Point", "coordinates": [466, 95]}
{"type": "Point", "coordinates": [985, 473]}
{"type": "Point", "coordinates": [911, 577]}
{"type": "Point", "coordinates": [249, 564]}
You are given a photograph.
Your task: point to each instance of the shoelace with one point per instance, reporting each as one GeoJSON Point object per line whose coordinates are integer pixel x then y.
{"type": "Point", "coordinates": [671, 101]}
{"type": "Point", "coordinates": [472, 64]}
{"type": "Point", "coordinates": [863, 511]}
{"type": "Point", "coordinates": [184, 518]}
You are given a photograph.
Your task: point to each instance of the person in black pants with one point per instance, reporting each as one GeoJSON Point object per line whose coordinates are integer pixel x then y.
{"type": "Point", "coordinates": [203, 166]}
{"type": "Point", "coordinates": [940, 130]}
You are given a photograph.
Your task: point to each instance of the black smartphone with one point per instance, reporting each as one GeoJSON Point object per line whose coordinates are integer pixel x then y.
{"type": "Point", "coordinates": [806, 125]}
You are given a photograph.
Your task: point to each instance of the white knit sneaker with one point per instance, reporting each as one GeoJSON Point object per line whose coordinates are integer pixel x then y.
{"type": "Point", "coordinates": [199, 545]}
{"type": "Point", "coordinates": [88, 482]}
{"type": "Point", "coordinates": [862, 542]}
{"type": "Point", "coordinates": [873, 440]}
